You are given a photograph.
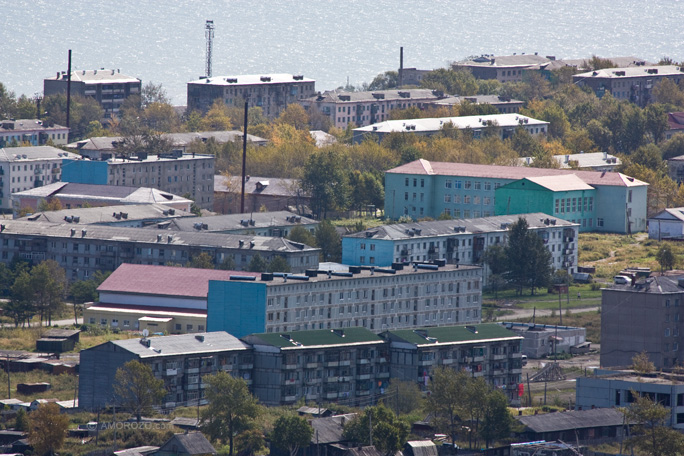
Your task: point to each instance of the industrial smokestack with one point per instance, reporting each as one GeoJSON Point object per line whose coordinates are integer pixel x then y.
{"type": "Point", "coordinates": [401, 66]}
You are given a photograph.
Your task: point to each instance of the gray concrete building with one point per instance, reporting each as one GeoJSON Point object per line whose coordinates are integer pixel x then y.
{"type": "Point", "coordinates": [108, 87]}
{"type": "Point", "coordinates": [83, 249]}
{"type": "Point", "coordinates": [619, 389]}
{"type": "Point", "coordinates": [270, 92]}
{"type": "Point", "coordinates": [181, 361]}
{"type": "Point", "coordinates": [642, 316]}
{"type": "Point", "coordinates": [349, 366]}
{"type": "Point", "coordinates": [25, 168]}
{"type": "Point", "coordinates": [489, 351]}
{"type": "Point", "coordinates": [31, 131]}
{"type": "Point", "coordinates": [541, 341]}
{"type": "Point", "coordinates": [173, 172]}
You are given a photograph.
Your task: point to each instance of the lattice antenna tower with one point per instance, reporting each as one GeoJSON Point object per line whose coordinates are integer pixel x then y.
{"type": "Point", "coordinates": [209, 34]}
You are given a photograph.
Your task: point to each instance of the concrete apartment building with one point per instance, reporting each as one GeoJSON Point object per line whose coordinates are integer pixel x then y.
{"type": "Point", "coordinates": [634, 84]}
{"type": "Point", "coordinates": [84, 195]}
{"type": "Point", "coordinates": [643, 316]}
{"type": "Point", "coordinates": [181, 361]}
{"type": "Point", "coordinates": [277, 224]}
{"type": "Point", "coordinates": [505, 125]}
{"type": "Point", "coordinates": [366, 108]}
{"type": "Point", "coordinates": [31, 131]}
{"type": "Point", "coordinates": [616, 389]}
{"type": "Point", "coordinates": [134, 216]}
{"type": "Point", "coordinates": [166, 299]}
{"type": "Point", "coordinates": [503, 68]}
{"type": "Point", "coordinates": [488, 351]}
{"type": "Point", "coordinates": [174, 172]}
{"type": "Point", "coordinates": [24, 168]}
{"type": "Point", "coordinates": [83, 249]}
{"type": "Point", "coordinates": [590, 199]}
{"type": "Point", "coordinates": [270, 92]}
{"type": "Point", "coordinates": [373, 298]}
{"type": "Point", "coordinates": [348, 365]}
{"type": "Point", "coordinates": [503, 104]}
{"type": "Point", "coordinates": [108, 87]}
{"type": "Point", "coordinates": [457, 241]}
{"type": "Point", "coordinates": [105, 147]}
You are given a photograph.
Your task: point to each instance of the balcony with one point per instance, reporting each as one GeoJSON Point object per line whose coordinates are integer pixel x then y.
{"type": "Point", "coordinates": [332, 363]}
{"type": "Point", "coordinates": [331, 395]}
{"type": "Point", "coordinates": [313, 381]}
{"type": "Point", "coordinates": [345, 363]}
{"type": "Point", "coordinates": [247, 366]}
{"type": "Point", "coordinates": [345, 378]}
{"type": "Point", "coordinates": [383, 375]}
{"type": "Point", "coordinates": [363, 393]}
{"type": "Point", "coordinates": [289, 366]}
{"type": "Point", "coordinates": [332, 379]}
{"type": "Point", "coordinates": [192, 370]}
{"type": "Point", "coordinates": [363, 361]}
{"type": "Point", "coordinates": [427, 362]}
{"type": "Point", "coordinates": [289, 398]}
{"type": "Point", "coordinates": [447, 361]}
{"type": "Point", "coordinates": [290, 381]}
{"type": "Point", "coordinates": [170, 372]}
{"type": "Point", "coordinates": [499, 357]}
{"type": "Point", "coordinates": [363, 377]}
{"type": "Point", "coordinates": [311, 397]}
{"type": "Point", "coordinates": [312, 365]}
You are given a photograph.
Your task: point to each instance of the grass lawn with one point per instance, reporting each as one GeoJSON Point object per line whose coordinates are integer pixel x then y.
{"type": "Point", "coordinates": [25, 338]}
{"type": "Point", "coordinates": [589, 320]}
{"type": "Point", "coordinates": [544, 300]}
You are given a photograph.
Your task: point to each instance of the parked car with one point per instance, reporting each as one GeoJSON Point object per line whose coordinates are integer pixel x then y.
{"type": "Point", "coordinates": [582, 277]}
{"type": "Point", "coordinates": [621, 280]}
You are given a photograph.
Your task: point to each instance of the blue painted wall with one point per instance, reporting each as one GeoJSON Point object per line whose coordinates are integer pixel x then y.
{"type": "Point", "coordinates": [238, 308]}
{"type": "Point", "coordinates": [382, 252]}
{"type": "Point", "coordinates": [84, 171]}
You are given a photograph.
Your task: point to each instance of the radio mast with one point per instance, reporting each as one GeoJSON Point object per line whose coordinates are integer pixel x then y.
{"type": "Point", "coordinates": [209, 34]}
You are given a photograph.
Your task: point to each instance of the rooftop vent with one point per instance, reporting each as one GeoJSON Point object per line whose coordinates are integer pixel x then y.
{"type": "Point", "coordinates": [472, 329]}
{"type": "Point", "coordinates": [338, 332]}
{"type": "Point", "coordinates": [298, 77]}
{"type": "Point", "coordinates": [200, 337]}
{"type": "Point", "coordinates": [83, 233]}
{"type": "Point", "coordinates": [405, 94]}
{"type": "Point", "coordinates": [169, 238]}
{"type": "Point", "coordinates": [73, 232]}
{"type": "Point", "coordinates": [231, 80]}
{"type": "Point", "coordinates": [265, 79]}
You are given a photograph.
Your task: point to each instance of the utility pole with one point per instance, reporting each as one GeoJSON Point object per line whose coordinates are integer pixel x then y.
{"type": "Point", "coordinates": [209, 34]}
{"type": "Point", "coordinates": [68, 107]}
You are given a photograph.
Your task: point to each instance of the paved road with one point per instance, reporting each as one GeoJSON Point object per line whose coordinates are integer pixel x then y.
{"type": "Point", "coordinates": [527, 313]}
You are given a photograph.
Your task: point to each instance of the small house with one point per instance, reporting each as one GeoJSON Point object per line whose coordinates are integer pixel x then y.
{"type": "Point", "coordinates": [190, 444]}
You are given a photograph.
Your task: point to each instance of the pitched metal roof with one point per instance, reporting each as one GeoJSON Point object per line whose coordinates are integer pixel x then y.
{"type": "Point", "coordinates": [19, 154]}
{"type": "Point", "coordinates": [145, 236]}
{"type": "Point", "coordinates": [341, 96]}
{"type": "Point", "coordinates": [180, 344]}
{"type": "Point", "coordinates": [422, 447]}
{"type": "Point", "coordinates": [252, 79]}
{"type": "Point", "coordinates": [452, 334]}
{"type": "Point", "coordinates": [425, 167]}
{"type": "Point", "coordinates": [329, 429]}
{"type": "Point", "coordinates": [109, 193]}
{"type": "Point", "coordinates": [235, 222]}
{"type": "Point", "coordinates": [315, 338]}
{"type": "Point", "coordinates": [276, 186]}
{"type": "Point", "coordinates": [630, 72]}
{"type": "Point", "coordinates": [574, 419]}
{"type": "Point", "coordinates": [435, 124]}
{"type": "Point", "coordinates": [164, 280]}
{"type": "Point", "coordinates": [568, 182]}
{"type": "Point", "coordinates": [100, 76]}
{"type": "Point", "coordinates": [190, 443]}
{"type": "Point", "coordinates": [418, 230]}
{"type": "Point", "coordinates": [105, 215]}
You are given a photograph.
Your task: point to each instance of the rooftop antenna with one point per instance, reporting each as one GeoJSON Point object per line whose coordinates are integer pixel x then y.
{"type": "Point", "coordinates": [209, 34]}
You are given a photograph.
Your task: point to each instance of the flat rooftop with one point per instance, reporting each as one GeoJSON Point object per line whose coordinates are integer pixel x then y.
{"type": "Point", "coordinates": [253, 79]}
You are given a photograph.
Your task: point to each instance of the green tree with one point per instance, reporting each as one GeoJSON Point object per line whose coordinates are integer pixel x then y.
{"type": "Point", "coordinates": [329, 241]}
{"type": "Point", "coordinates": [404, 397]}
{"type": "Point", "coordinates": [41, 290]}
{"type": "Point", "coordinates": [385, 81]}
{"type": "Point", "coordinates": [446, 394]}
{"type": "Point", "coordinates": [302, 235]}
{"type": "Point", "coordinates": [529, 262]}
{"type": "Point", "coordinates": [496, 420]}
{"type": "Point", "coordinates": [47, 429]}
{"type": "Point", "coordinates": [389, 433]}
{"type": "Point", "coordinates": [656, 121]}
{"type": "Point", "coordinates": [21, 421]}
{"type": "Point", "coordinates": [665, 257]}
{"type": "Point", "coordinates": [202, 261]}
{"type": "Point", "coordinates": [136, 388]}
{"type": "Point", "coordinates": [82, 291]}
{"type": "Point", "coordinates": [228, 263]}
{"type": "Point", "coordinates": [20, 307]}
{"type": "Point", "coordinates": [326, 179]}
{"type": "Point", "coordinates": [257, 264]}
{"type": "Point", "coordinates": [231, 409]}
{"type": "Point", "coordinates": [650, 433]}
{"type": "Point", "coordinates": [642, 364]}
{"type": "Point", "coordinates": [250, 442]}
{"type": "Point", "coordinates": [278, 264]}
{"type": "Point", "coordinates": [291, 432]}
{"type": "Point", "coordinates": [153, 93]}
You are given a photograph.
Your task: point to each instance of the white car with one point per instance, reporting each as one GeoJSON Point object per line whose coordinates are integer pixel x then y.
{"type": "Point", "coordinates": [621, 280]}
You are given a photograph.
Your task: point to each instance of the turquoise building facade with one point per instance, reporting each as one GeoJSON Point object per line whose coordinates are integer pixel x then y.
{"type": "Point", "coordinates": [236, 307]}
{"type": "Point", "coordinates": [422, 189]}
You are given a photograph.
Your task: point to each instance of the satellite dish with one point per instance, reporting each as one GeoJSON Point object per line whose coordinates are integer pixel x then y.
{"type": "Point", "coordinates": [145, 332]}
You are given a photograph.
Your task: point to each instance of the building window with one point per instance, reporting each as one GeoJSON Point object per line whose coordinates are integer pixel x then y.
{"type": "Point", "coordinates": [599, 222]}
{"type": "Point", "coordinates": [447, 198]}
{"type": "Point", "coordinates": [447, 183]}
{"type": "Point", "coordinates": [457, 184]}
{"type": "Point", "coordinates": [468, 184]}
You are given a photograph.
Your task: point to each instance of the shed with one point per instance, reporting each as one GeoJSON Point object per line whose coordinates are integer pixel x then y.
{"type": "Point", "coordinates": [575, 425]}
{"type": "Point", "coordinates": [420, 448]}
{"type": "Point", "coordinates": [58, 340]}
{"type": "Point", "coordinates": [193, 443]}
{"type": "Point", "coordinates": [33, 388]}
{"type": "Point", "coordinates": [315, 412]}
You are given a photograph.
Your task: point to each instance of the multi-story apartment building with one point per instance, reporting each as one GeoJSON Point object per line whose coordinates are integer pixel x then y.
{"type": "Point", "coordinates": [504, 125]}
{"type": "Point", "coordinates": [634, 84]}
{"type": "Point", "coordinates": [175, 172]}
{"type": "Point", "coordinates": [643, 316]}
{"type": "Point", "coordinates": [503, 68]}
{"type": "Point", "coordinates": [108, 87]}
{"type": "Point", "coordinates": [31, 131]}
{"type": "Point", "coordinates": [373, 298]}
{"type": "Point", "coordinates": [83, 249]}
{"type": "Point", "coordinates": [270, 92]}
{"type": "Point", "coordinates": [366, 108]}
{"type": "Point", "coordinates": [505, 105]}
{"type": "Point", "coordinates": [346, 365]}
{"type": "Point", "coordinates": [457, 241]}
{"type": "Point", "coordinates": [610, 202]}
{"type": "Point", "coordinates": [24, 168]}
{"type": "Point", "coordinates": [181, 361]}
{"type": "Point", "coordinates": [489, 351]}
